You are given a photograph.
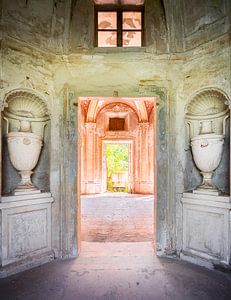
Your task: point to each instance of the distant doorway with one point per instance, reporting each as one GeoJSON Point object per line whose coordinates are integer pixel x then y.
{"type": "Point", "coordinates": [117, 166]}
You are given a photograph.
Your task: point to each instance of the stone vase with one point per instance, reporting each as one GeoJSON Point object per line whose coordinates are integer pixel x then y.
{"type": "Point", "coordinates": [24, 150]}
{"type": "Point", "coordinates": [207, 150]}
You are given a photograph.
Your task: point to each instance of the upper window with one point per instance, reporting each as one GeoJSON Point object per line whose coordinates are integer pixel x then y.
{"type": "Point", "coordinates": [119, 25]}
{"type": "Point", "coordinates": [117, 124]}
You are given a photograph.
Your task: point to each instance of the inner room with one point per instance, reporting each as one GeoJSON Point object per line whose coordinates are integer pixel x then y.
{"type": "Point", "coordinates": [117, 158]}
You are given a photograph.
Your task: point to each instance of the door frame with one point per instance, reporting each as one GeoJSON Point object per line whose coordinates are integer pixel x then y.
{"type": "Point", "coordinates": [154, 112]}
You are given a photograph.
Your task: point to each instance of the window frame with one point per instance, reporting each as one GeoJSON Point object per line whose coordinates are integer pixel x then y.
{"type": "Point", "coordinates": [119, 9]}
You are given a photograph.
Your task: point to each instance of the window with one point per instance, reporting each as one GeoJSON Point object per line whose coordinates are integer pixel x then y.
{"type": "Point", "coordinates": [116, 124]}
{"type": "Point", "coordinates": [119, 26]}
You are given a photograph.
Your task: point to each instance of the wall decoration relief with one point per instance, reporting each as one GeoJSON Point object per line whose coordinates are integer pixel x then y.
{"type": "Point", "coordinates": [25, 224]}
{"type": "Point", "coordinates": [206, 117]}
{"type": "Point", "coordinates": [206, 210]}
{"type": "Point", "coordinates": [25, 115]}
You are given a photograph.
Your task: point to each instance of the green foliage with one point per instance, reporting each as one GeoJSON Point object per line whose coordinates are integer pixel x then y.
{"type": "Point", "coordinates": [117, 158]}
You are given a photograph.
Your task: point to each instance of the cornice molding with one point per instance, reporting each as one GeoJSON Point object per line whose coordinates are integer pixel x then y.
{"type": "Point", "coordinates": [50, 56]}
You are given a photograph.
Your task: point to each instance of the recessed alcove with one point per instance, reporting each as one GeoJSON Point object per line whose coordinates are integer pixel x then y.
{"type": "Point", "coordinates": [206, 204]}
{"type": "Point", "coordinates": [25, 105]}
{"type": "Point", "coordinates": [25, 205]}
{"type": "Point", "coordinates": [208, 105]}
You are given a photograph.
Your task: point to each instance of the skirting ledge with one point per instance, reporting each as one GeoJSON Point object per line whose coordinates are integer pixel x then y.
{"type": "Point", "coordinates": [196, 260]}
{"type": "Point", "coordinates": [210, 264]}
{"type": "Point", "coordinates": [26, 264]}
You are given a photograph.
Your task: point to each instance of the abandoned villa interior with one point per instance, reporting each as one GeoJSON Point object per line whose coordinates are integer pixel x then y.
{"type": "Point", "coordinates": [115, 130]}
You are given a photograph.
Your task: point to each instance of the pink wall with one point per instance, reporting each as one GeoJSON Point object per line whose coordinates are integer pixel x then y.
{"type": "Point", "coordinates": [138, 132]}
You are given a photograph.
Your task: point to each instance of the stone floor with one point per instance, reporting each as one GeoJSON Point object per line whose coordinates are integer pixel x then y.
{"type": "Point", "coordinates": [117, 271]}
{"type": "Point", "coordinates": [113, 269]}
{"type": "Point", "coordinates": [117, 217]}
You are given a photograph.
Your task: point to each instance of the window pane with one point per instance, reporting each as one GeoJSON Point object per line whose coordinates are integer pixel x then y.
{"type": "Point", "coordinates": [100, 2]}
{"type": "Point", "coordinates": [131, 39]}
{"type": "Point", "coordinates": [107, 39]}
{"type": "Point", "coordinates": [132, 2]}
{"type": "Point", "coordinates": [131, 20]}
{"type": "Point", "coordinates": [107, 20]}
{"type": "Point", "coordinates": [123, 2]}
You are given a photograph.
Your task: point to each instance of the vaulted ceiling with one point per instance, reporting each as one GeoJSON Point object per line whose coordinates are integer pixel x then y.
{"type": "Point", "coordinates": [66, 26]}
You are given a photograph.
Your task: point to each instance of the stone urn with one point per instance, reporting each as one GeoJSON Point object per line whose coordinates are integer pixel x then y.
{"type": "Point", "coordinates": [207, 150]}
{"type": "Point", "coordinates": [24, 150]}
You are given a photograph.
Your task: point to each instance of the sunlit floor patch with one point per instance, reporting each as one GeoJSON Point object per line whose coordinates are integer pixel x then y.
{"type": "Point", "coordinates": [117, 218]}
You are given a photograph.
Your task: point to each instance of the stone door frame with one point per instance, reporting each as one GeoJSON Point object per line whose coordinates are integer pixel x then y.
{"type": "Point", "coordinates": [162, 233]}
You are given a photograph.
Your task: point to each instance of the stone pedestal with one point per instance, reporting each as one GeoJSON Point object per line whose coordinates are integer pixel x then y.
{"type": "Point", "coordinates": [206, 229]}
{"type": "Point", "coordinates": [25, 232]}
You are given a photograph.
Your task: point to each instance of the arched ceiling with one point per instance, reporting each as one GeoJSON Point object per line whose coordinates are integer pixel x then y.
{"type": "Point", "coordinates": [92, 107]}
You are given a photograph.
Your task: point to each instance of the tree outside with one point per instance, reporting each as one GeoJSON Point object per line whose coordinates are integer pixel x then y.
{"type": "Point", "coordinates": [117, 167]}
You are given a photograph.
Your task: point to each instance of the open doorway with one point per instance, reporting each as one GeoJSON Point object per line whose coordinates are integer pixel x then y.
{"type": "Point", "coordinates": [117, 163]}
{"type": "Point", "coordinates": [117, 166]}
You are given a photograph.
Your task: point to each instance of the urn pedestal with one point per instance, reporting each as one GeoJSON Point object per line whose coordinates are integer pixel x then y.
{"type": "Point", "coordinates": [206, 229]}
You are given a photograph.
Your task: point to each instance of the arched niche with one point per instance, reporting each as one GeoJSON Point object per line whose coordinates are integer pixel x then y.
{"type": "Point", "coordinates": [25, 105]}
{"type": "Point", "coordinates": [118, 110]}
{"type": "Point", "coordinates": [209, 104]}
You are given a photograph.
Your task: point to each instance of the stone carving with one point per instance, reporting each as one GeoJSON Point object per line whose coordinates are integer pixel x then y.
{"type": "Point", "coordinates": [119, 108]}
{"type": "Point", "coordinates": [206, 115]}
{"type": "Point", "coordinates": [25, 140]}
{"type": "Point", "coordinates": [24, 150]}
{"type": "Point", "coordinates": [27, 232]}
{"type": "Point", "coordinates": [24, 104]}
{"type": "Point", "coordinates": [210, 105]}
{"type": "Point", "coordinates": [207, 150]}
{"type": "Point", "coordinates": [26, 229]}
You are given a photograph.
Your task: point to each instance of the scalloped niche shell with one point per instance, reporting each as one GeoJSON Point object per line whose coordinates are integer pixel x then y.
{"type": "Point", "coordinates": [25, 104]}
{"type": "Point", "coordinates": [207, 104]}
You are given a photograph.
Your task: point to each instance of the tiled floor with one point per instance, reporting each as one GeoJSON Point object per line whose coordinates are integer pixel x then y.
{"type": "Point", "coordinates": [117, 217]}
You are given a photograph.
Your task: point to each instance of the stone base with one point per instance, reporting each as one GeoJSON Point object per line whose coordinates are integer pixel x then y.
{"type": "Point", "coordinates": [212, 192]}
{"type": "Point", "coordinates": [25, 231]}
{"type": "Point", "coordinates": [196, 260]}
{"type": "Point", "coordinates": [26, 264]}
{"type": "Point", "coordinates": [206, 228]}
{"type": "Point", "coordinates": [143, 187]}
{"type": "Point", "coordinates": [92, 188]}
{"type": "Point", "coordinates": [26, 192]}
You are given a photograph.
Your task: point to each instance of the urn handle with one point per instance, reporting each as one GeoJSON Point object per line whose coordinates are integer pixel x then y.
{"type": "Point", "coordinates": [7, 124]}
{"type": "Point", "coordinates": [224, 123]}
{"type": "Point", "coordinates": [204, 143]}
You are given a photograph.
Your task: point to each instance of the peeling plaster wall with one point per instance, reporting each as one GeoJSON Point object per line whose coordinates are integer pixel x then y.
{"type": "Point", "coordinates": [135, 75]}
{"type": "Point", "coordinates": [38, 23]}
{"type": "Point", "coordinates": [204, 21]}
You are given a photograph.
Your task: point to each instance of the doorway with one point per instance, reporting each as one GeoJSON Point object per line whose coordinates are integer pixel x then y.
{"type": "Point", "coordinates": [117, 166]}
{"type": "Point", "coordinates": [117, 162]}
